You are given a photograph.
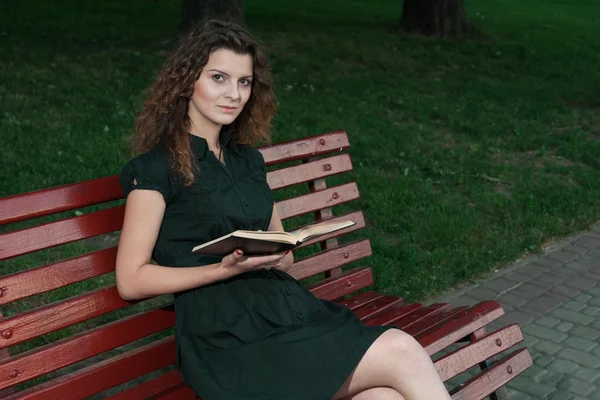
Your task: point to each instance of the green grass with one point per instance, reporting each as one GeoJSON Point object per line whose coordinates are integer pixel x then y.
{"type": "Point", "coordinates": [467, 153]}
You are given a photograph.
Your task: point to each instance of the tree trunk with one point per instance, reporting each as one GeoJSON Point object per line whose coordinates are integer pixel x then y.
{"type": "Point", "coordinates": [435, 17]}
{"type": "Point", "coordinates": [196, 11]}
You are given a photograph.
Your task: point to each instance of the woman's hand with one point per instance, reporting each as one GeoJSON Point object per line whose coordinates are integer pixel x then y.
{"type": "Point", "coordinates": [237, 262]}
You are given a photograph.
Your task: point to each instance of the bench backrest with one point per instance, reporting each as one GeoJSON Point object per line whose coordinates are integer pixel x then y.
{"type": "Point", "coordinates": [39, 312]}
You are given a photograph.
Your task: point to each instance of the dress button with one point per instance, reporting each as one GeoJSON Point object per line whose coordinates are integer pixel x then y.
{"type": "Point", "coordinates": [287, 291]}
{"type": "Point", "coordinates": [246, 204]}
{"type": "Point", "coordinates": [300, 317]}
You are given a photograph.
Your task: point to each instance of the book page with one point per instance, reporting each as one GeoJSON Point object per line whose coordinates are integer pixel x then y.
{"type": "Point", "coordinates": [250, 239]}
{"type": "Point", "coordinates": [274, 236]}
{"type": "Point", "coordinates": [310, 232]}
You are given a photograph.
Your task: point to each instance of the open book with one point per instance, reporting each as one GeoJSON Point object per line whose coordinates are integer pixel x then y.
{"type": "Point", "coordinates": [254, 243]}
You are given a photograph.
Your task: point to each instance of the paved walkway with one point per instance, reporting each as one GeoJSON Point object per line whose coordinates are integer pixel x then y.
{"type": "Point", "coordinates": [555, 298]}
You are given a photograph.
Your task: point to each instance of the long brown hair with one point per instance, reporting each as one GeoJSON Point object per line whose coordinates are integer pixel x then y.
{"type": "Point", "coordinates": [164, 117]}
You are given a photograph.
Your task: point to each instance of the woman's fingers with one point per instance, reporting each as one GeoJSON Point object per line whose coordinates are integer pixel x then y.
{"type": "Point", "coordinates": [238, 259]}
{"type": "Point", "coordinates": [261, 261]}
{"type": "Point", "coordinates": [235, 257]}
{"type": "Point", "coordinates": [265, 259]}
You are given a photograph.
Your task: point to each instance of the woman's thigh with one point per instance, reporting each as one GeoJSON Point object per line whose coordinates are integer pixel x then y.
{"type": "Point", "coordinates": [377, 367]}
{"type": "Point", "coordinates": [378, 393]}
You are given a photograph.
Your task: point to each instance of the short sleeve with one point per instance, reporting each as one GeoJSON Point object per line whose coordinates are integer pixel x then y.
{"type": "Point", "coordinates": [261, 169]}
{"type": "Point", "coordinates": [260, 160]}
{"type": "Point", "coordinates": [148, 171]}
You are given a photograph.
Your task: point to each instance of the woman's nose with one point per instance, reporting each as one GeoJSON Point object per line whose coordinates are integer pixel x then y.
{"type": "Point", "coordinates": [233, 92]}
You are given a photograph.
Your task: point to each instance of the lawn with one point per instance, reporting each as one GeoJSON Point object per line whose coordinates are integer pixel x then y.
{"type": "Point", "coordinates": [467, 152]}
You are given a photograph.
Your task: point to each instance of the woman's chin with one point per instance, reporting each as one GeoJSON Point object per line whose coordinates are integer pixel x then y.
{"type": "Point", "coordinates": [224, 119]}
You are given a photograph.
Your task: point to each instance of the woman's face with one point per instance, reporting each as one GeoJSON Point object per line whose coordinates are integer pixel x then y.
{"type": "Point", "coordinates": [222, 90]}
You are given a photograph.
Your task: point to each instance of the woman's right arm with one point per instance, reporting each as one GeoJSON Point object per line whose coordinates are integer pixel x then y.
{"type": "Point", "coordinates": [138, 279]}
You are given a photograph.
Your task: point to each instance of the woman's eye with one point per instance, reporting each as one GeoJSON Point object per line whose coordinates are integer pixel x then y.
{"type": "Point", "coordinates": [245, 82]}
{"type": "Point", "coordinates": [218, 78]}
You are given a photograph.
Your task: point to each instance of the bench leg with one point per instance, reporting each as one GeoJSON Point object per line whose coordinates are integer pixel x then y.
{"type": "Point", "coordinates": [501, 393]}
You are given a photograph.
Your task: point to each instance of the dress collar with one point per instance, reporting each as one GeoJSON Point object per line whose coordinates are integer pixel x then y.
{"type": "Point", "coordinates": [200, 146]}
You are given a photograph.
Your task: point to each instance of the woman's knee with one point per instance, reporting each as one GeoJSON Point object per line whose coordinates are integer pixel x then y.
{"type": "Point", "coordinates": [399, 342]}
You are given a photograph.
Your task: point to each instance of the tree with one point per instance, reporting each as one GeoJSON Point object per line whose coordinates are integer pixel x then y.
{"type": "Point", "coordinates": [195, 11]}
{"type": "Point", "coordinates": [435, 17]}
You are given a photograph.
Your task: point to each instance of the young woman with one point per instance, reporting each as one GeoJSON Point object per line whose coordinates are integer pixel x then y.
{"type": "Point", "coordinates": [245, 329]}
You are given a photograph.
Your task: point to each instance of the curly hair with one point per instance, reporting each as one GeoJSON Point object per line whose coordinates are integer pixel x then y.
{"type": "Point", "coordinates": [164, 118]}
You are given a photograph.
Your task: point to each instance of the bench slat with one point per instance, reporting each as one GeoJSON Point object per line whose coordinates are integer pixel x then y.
{"type": "Point", "coordinates": [427, 323]}
{"type": "Point", "coordinates": [377, 306]}
{"type": "Point", "coordinates": [81, 346]}
{"type": "Point", "coordinates": [180, 392]}
{"type": "Point", "coordinates": [45, 319]}
{"type": "Point", "coordinates": [304, 148]}
{"type": "Point", "coordinates": [53, 276]}
{"type": "Point", "coordinates": [169, 382]}
{"type": "Point", "coordinates": [58, 199]}
{"type": "Point", "coordinates": [149, 389]}
{"type": "Point", "coordinates": [494, 377]}
{"type": "Point", "coordinates": [317, 169]}
{"type": "Point", "coordinates": [348, 282]}
{"type": "Point", "coordinates": [315, 201]}
{"type": "Point", "coordinates": [360, 299]}
{"type": "Point", "coordinates": [402, 318]}
{"type": "Point", "coordinates": [421, 314]}
{"type": "Point", "coordinates": [105, 374]}
{"type": "Point", "coordinates": [392, 314]}
{"type": "Point", "coordinates": [480, 350]}
{"type": "Point", "coordinates": [453, 329]}
{"type": "Point", "coordinates": [13, 244]}
{"type": "Point", "coordinates": [330, 259]}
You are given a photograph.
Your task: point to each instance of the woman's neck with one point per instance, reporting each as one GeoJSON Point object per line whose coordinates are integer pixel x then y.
{"type": "Point", "coordinates": [208, 131]}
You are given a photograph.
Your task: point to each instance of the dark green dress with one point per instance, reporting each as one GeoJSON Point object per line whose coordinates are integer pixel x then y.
{"type": "Point", "coordinates": [259, 335]}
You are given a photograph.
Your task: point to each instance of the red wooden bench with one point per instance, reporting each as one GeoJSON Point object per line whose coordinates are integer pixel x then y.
{"type": "Point", "coordinates": [438, 327]}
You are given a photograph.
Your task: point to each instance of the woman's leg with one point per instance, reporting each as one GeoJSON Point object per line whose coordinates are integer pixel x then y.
{"type": "Point", "coordinates": [398, 361]}
{"type": "Point", "coordinates": [378, 393]}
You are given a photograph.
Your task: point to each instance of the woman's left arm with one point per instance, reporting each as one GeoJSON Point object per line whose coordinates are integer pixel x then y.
{"type": "Point", "coordinates": [276, 225]}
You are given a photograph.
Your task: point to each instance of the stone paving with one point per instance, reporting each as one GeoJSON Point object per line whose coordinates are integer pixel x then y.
{"type": "Point", "coordinates": [555, 298]}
